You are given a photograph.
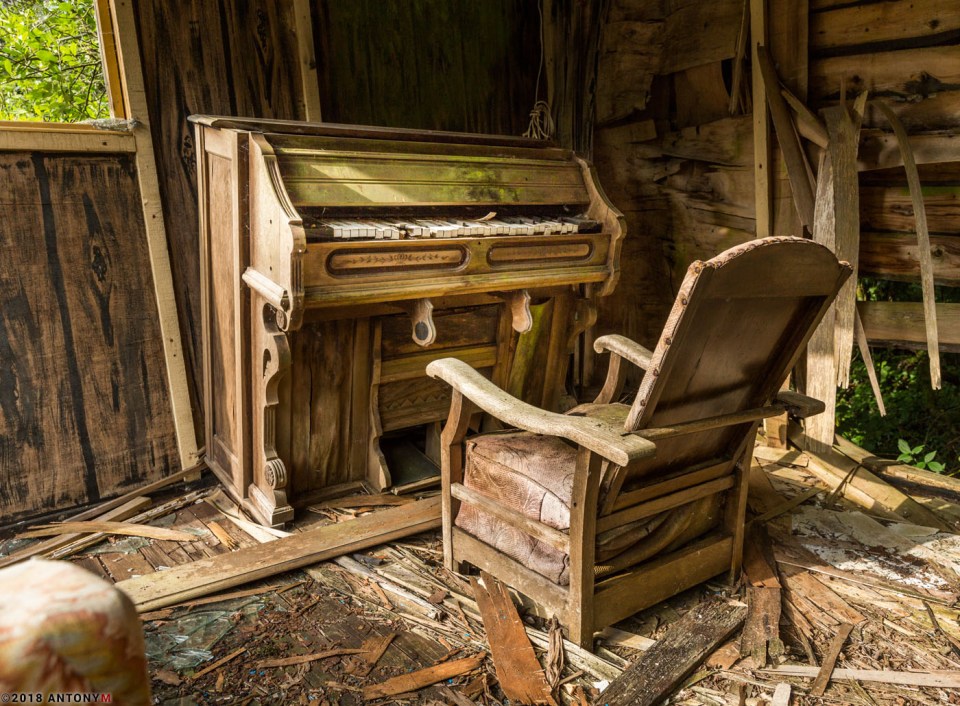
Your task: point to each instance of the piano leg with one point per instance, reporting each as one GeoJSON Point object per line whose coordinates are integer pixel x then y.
{"type": "Point", "coordinates": [267, 496]}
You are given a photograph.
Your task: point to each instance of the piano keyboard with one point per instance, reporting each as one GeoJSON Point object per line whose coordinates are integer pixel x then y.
{"type": "Point", "coordinates": [421, 228]}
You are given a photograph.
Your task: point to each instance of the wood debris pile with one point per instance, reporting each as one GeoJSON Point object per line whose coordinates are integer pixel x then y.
{"type": "Point", "coordinates": [845, 598]}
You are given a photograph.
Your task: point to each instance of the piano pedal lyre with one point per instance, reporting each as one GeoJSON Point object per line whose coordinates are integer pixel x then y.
{"type": "Point", "coordinates": [423, 330]}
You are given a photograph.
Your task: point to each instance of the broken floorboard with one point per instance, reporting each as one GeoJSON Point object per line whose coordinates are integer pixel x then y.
{"type": "Point", "coordinates": [662, 668]}
{"type": "Point", "coordinates": [207, 576]}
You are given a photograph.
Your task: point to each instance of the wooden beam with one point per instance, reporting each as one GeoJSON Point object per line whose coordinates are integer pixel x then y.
{"type": "Point", "coordinates": [895, 256]}
{"type": "Point", "coordinates": [863, 488]}
{"type": "Point", "coordinates": [893, 470]}
{"type": "Point", "coordinates": [110, 59]}
{"type": "Point", "coordinates": [798, 170]}
{"type": "Point", "coordinates": [881, 150]}
{"type": "Point", "coordinates": [206, 576]}
{"type": "Point", "coordinates": [903, 322]}
{"type": "Point", "coordinates": [923, 245]}
{"type": "Point", "coordinates": [943, 679]}
{"type": "Point", "coordinates": [18, 136]}
{"type": "Point", "coordinates": [135, 98]}
{"type": "Point", "coordinates": [869, 25]}
{"type": "Point", "coordinates": [303, 24]}
{"type": "Point", "coordinates": [843, 127]}
{"type": "Point", "coordinates": [123, 512]}
{"type": "Point", "coordinates": [761, 123]}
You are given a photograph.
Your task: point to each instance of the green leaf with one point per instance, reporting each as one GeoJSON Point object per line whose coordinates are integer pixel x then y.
{"type": "Point", "coordinates": [930, 456]}
{"type": "Point", "coordinates": [906, 458]}
{"type": "Point", "coordinates": [903, 446]}
{"type": "Point", "coordinates": [936, 467]}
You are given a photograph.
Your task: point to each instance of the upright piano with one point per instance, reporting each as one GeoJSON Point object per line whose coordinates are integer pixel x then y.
{"type": "Point", "coordinates": [338, 261]}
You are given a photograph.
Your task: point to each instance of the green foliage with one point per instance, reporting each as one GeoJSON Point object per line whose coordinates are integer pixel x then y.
{"type": "Point", "coordinates": [915, 457]}
{"type": "Point", "coordinates": [921, 426]}
{"type": "Point", "coordinates": [50, 65]}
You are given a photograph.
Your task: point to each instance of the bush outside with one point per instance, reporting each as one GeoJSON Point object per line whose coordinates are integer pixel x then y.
{"type": "Point", "coordinates": [50, 66]}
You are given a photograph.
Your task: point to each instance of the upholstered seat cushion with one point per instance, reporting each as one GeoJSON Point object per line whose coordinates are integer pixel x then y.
{"type": "Point", "coordinates": [533, 476]}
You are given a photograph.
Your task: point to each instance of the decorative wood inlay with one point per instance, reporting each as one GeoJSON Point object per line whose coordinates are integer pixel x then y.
{"type": "Point", "coordinates": [528, 254]}
{"type": "Point", "coordinates": [356, 262]}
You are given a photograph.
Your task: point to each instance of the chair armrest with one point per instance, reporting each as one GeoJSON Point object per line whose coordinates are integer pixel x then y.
{"type": "Point", "coordinates": [621, 348]}
{"type": "Point", "coordinates": [607, 440]}
{"type": "Point", "coordinates": [625, 348]}
{"type": "Point", "coordinates": [800, 406]}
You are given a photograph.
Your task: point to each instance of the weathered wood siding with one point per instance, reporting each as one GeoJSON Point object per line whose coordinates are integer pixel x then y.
{"type": "Point", "coordinates": [428, 64]}
{"type": "Point", "coordinates": [84, 411]}
{"type": "Point", "coordinates": [681, 166]}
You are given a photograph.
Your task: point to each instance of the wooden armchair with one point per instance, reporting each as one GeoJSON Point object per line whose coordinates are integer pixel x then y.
{"type": "Point", "coordinates": [600, 512]}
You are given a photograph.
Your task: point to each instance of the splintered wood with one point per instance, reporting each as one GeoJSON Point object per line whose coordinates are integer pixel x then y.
{"type": "Point", "coordinates": [659, 670]}
{"type": "Point", "coordinates": [520, 674]}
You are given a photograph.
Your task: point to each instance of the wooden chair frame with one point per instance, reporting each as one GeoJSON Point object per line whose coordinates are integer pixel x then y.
{"type": "Point", "coordinates": [586, 604]}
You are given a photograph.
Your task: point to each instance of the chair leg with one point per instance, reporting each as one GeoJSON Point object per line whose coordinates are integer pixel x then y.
{"type": "Point", "coordinates": [581, 631]}
{"type": "Point", "coordinates": [736, 512]}
{"type": "Point", "coordinates": [451, 468]}
{"type": "Point", "coordinates": [583, 540]}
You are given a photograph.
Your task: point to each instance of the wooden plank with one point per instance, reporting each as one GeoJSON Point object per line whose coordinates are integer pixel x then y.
{"type": "Point", "coordinates": [85, 412]}
{"type": "Point", "coordinates": [761, 630]}
{"type": "Point", "coordinates": [128, 529]}
{"type": "Point", "coordinates": [880, 150]}
{"type": "Point", "coordinates": [892, 208]}
{"type": "Point", "coordinates": [414, 681]}
{"type": "Point", "coordinates": [903, 323]}
{"type": "Point", "coordinates": [152, 513]}
{"type": "Point", "coordinates": [123, 512]}
{"type": "Point", "coordinates": [520, 675]}
{"type": "Point", "coordinates": [895, 256]}
{"type": "Point", "coordinates": [904, 74]}
{"type": "Point", "coordinates": [843, 127]}
{"type": "Point", "coordinates": [821, 380]}
{"type": "Point", "coordinates": [923, 245]}
{"type": "Point", "coordinates": [135, 100]}
{"type": "Point", "coordinates": [798, 170]}
{"type": "Point", "coordinates": [830, 659]}
{"type": "Point", "coordinates": [895, 470]}
{"type": "Point", "coordinates": [310, 95]}
{"type": "Point", "coordinates": [630, 56]}
{"type": "Point", "coordinates": [884, 25]}
{"type": "Point", "coordinates": [699, 33]}
{"type": "Point", "coordinates": [943, 679]}
{"type": "Point", "coordinates": [863, 488]}
{"type": "Point", "coordinates": [661, 670]}
{"type": "Point", "coordinates": [228, 570]}
{"type": "Point", "coordinates": [726, 142]}
{"type": "Point", "coordinates": [761, 123]}
{"type": "Point", "coordinates": [109, 58]}
{"type": "Point", "coordinates": [43, 137]}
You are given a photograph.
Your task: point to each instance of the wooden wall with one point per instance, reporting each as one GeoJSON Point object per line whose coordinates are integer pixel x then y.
{"type": "Point", "coordinates": [429, 64]}
{"type": "Point", "coordinates": [84, 410]}
{"type": "Point", "coordinates": [222, 57]}
{"type": "Point", "coordinates": [681, 165]}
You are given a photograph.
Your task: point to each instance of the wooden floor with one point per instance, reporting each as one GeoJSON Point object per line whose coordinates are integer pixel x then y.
{"type": "Point", "coordinates": [322, 634]}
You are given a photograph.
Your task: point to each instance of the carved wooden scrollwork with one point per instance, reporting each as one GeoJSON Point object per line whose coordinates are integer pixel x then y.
{"type": "Point", "coordinates": [270, 474]}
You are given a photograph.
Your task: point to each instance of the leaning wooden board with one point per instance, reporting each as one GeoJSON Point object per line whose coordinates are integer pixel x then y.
{"type": "Point", "coordinates": [84, 408]}
{"type": "Point", "coordinates": [207, 576]}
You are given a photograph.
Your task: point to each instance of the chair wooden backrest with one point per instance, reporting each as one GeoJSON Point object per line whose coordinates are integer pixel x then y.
{"type": "Point", "coordinates": [737, 327]}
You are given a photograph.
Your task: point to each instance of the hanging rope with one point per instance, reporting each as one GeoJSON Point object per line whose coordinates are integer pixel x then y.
{"type": "Point", "coordinates": [541, 119]}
